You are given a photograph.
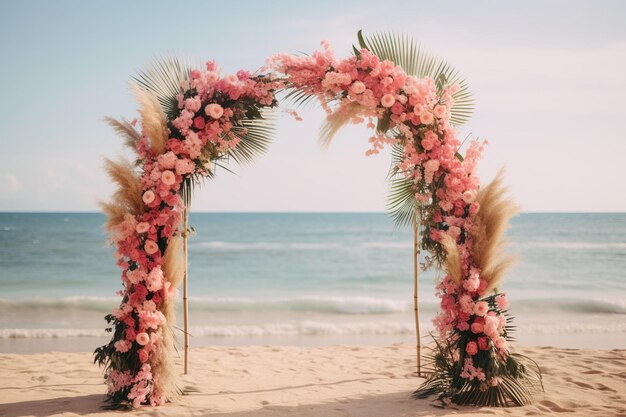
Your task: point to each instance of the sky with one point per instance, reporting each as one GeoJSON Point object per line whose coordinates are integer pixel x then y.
{"type": "Point", "coordinates": [548, 77]}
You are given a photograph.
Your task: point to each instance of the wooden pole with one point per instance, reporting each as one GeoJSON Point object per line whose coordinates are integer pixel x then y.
{"type": "Point", "coordinates": [416, 252]}
{"type": "Point", "coordinates": [185, 296]}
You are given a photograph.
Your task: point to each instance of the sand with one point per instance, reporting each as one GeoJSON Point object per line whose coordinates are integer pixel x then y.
{"type": "Point", "coordinates": [294, 381]}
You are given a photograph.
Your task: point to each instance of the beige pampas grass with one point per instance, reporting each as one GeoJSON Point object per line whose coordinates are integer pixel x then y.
{"type": "Point", "coordinates": [173, 270]}
{"type": "Point", "coordinates": [153, 119]}
{"type": "Point", "coordinates": [125, 130]}
{"type": "Point", "coordinates": [127, 198]}
{"type": "Point", "coordinates": [453, 259]}
{"type": "Point", "coordinates": [492, 220]}
{"type": "Point", "coordinates": [336, 121]}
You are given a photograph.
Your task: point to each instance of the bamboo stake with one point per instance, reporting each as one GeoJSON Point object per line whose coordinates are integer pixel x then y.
{"type": "Point", "coordinates": [416, 252]}
{"type": "Point", "coordinates": [185, 304]}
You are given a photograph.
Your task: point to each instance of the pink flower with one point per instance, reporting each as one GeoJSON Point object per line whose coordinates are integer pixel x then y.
{"type": "Point", "coordinates": [357, 87]}
{"type": "Point", "coordinates": [193, 104]}
{"type": "Point", "coordinates": [148, 197]}
{"type": "Point", "coordinates": [477, 327]}
{"type": "Point", "coordinates": [185, 166]}
{"type": "Point", "coordinates": [143, 355]}
{"type": "Point", "coordinates": [168, 177]}
{"type": "Point", "coordinates": [471, 348]}
{"type": "Point", "coordinates": [501, 343]}
{"type": "Point", "coordinates": [199, 123]}
{"type": "Point", "coordinates": [142, 338]}
{"type": "Point", "coordinates": [214, 110]}
{"type": "Point", "coordinates": [439, 111]}
{"type": "Point", "coordinates": [469, 196]}
{"type": "Point", "coordinates": [142, 227]}
{"type": "Point", "coordinates": [429, 141]}
{"type": "Point", "coordinates": [481, 308]}
{"type": "Point", "coordinates": [122, 346]}
{"type": "Point", "coordinates": [502, 302]}
{"type": "Point", "coordinates": [483, 343]}
{"type": "Point", "coordinates": [426, 118]}
{"type": "Point", "coordinates": [151, 247]}
{"type": "Point", "coordinates": [388, 100]}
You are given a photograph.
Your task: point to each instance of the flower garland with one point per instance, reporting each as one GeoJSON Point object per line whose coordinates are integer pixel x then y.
{"type": "Point", "coordinates": [208, 123]}
{"type": "Point", "coordinates": [413, 115]}
{"type": "Point", "coordinates": [207, 126]}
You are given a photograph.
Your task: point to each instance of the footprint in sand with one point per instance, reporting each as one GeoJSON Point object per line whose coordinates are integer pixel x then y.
{"type": "Point", "coordinates": [554, 407]}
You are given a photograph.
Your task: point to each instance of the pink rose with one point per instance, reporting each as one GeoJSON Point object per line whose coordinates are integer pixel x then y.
{"type": "Point", "coordinates": [477, 327]}
{"type": "Point", "coordinates": [439, 111]}
{"type": "Point", "coordinates": [388, 100]}
{"type": "Point", "coordinates": [481, 308]}
{"type": "Point", "coordinates": [214, 110]}
{"type": "Point", "coordinates": [199, 123]}
{"type": "Point", "coordinates": [148, 197]}
{"type": "Point", "coordinates": [471, 348]}
{"type": "Point", "coordinates": [357, 87]}
{"type": "Point", "coordinates": [168, 177]}
{"type": "Point", "coordinates": [426, 118]}
{"type": "Point", "coordinates": [151, 247]}
{"type": "Point", "coordinates": [143, 355]}
{"type": "Point", "coordinates": [142, 227]}
{"type": "Point", "coordinates": [469, 196]}
{"type": "Point", "coordinates": [142, 338]}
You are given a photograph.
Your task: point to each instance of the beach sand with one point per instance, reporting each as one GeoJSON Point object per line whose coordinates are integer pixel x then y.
{"type": "Point", "coordinates": [295, 381]}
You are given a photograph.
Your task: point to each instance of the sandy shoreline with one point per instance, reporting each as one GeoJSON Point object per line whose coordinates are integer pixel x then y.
{"type": "Point", "coordinates": [295, 381]}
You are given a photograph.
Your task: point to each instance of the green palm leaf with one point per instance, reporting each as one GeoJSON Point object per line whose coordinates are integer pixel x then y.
{"type": "Point", "coordinates": [164, 77]}
{"type": "Point", "coordinates": [256, 135]}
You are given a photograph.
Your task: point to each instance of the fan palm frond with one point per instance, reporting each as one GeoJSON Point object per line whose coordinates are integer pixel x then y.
{"type": "Point", "coordinates": [164, 78]}
{"type": "Point", "coordinates": [414, 60]}
{"type": "Point", "coordinates": [255, 135]}
{"type": "Point", "coordinates": [401, 199]}
{"type": "Point", "coordinates": [519, 380]}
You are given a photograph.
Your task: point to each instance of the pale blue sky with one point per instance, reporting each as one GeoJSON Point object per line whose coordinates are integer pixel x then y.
{"type": "Point", "coordinates": [549, 79]}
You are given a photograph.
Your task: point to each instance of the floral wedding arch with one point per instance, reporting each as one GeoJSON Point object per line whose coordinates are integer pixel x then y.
{"type": "Point", "coordinates": [193, 121]}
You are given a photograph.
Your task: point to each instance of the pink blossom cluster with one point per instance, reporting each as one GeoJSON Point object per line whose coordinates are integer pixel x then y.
{"type": "Point", "coordinates": [414, 114]}
{"type": "Point", "coordinates": [212, 106]}
{"type": "Point", "coordinates": [209, 108]}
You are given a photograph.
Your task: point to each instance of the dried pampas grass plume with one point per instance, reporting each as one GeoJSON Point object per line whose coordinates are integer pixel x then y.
{"type": "Point", "coordinates": [125, 130]}
{"type": "Point", "coordinates": [173, 270]}
{"type": "Point", "coordinates": [153, 119]}
{"type": "Point", "coordinates": [336, 121]}
{"type": "Point", "coordinates": [491, 222]}
{"type": "Point", "coordinates": [453, 259]}
{"type": "Point", "coordinates": [127, 197]}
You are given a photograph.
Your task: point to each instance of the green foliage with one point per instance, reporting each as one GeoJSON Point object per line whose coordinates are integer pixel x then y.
{"type": "Point", "coordinates": [164, 78]}
{"type": "Point", "coordinates": [519, 377]}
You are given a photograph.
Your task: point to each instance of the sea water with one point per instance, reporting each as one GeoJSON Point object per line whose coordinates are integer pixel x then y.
{"type": "Point", "coordinates": [307, 279]}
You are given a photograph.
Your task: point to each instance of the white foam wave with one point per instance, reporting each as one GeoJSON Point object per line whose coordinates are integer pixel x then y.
{"type": "Point", "coordinates": [574, 245]}
{"type": "Point", "coordinates": [50, 333]}
{"type": "Point", "coordinates": [305, 328]}
{"type": "Point", "coordinates": [313, 304]}
{"type": "Point", "coordinates": [219, 245]}
{"type": "Point", "coordinates": [319, 304]}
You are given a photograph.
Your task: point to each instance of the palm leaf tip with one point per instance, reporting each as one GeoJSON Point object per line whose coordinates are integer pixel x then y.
{"type": "Point", "coordinates": [414, 60]}
{"type": "Point", "coordinates": [164, 78]}
{"type": "Point", "coordinates": [255, 135]}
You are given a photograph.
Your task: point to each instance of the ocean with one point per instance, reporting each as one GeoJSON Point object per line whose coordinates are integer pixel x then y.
{"type": "Point", "coordinates": [307, 279]}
